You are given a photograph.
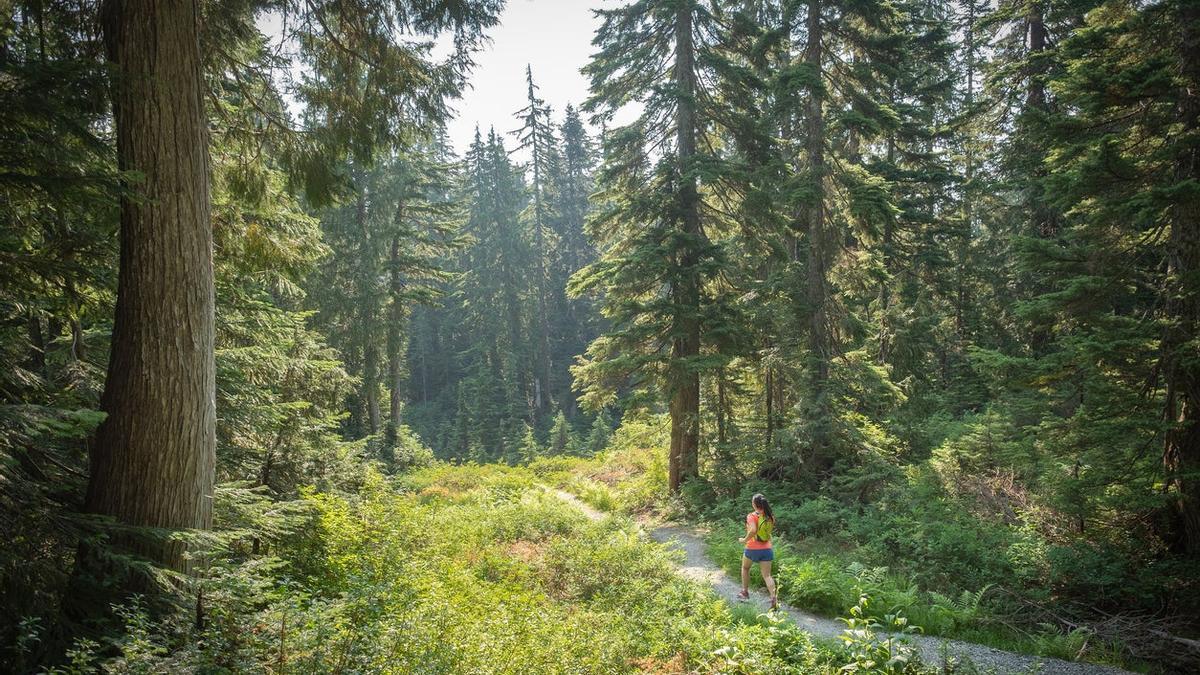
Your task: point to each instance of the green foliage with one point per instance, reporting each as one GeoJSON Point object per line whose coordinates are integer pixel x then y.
{"type": "Point", "coordinates": [493, 355]}
{"type": "Point", "coordinates": [523, 577]}
{"type": "Point", "coordinates": [871, 652]}
{"type": "Point", "coordinates": [956, 613]}
{"type": "Point", "coordinates": [935, 272]}
{"type": "Point", "coordinates": [600, 434]}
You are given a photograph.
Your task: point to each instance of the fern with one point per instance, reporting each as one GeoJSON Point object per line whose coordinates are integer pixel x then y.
{"type": "Point", "coordinates": [961, 611]}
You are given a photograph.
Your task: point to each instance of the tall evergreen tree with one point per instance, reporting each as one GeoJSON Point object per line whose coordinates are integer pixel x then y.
{"type": "Point", "coordinates": [656, 256]}
{"type": "Point", "coordinates": [537, 137]}
{"type": "Point", "coordinates": [154, 460]}
{"type": "Point", "coordinates": [389, 249]}
{"type": "Point", "coordinates": [1126, 280]}
{"type": "Point", "coordinates": [494, 286]}
{"type": "Point", "coordinates": [819, 191]}
{"type": "Point", "coordinates": [574, 323]}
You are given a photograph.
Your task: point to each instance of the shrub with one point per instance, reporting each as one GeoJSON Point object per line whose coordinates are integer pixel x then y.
{"type": "Point", "coordinates": [878, 643]}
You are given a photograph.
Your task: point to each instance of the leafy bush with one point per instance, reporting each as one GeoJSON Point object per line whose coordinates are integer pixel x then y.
{"type": "Point", "coordinates": [878, 644]}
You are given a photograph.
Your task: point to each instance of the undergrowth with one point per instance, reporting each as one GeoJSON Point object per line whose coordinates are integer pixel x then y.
{"type": "Point", "coordinates": [913, 549]}
{"type": "Point", "coordinates": [460, 569]}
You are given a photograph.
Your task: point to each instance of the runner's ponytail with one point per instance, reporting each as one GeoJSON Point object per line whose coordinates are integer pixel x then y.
{"type": "Point", "coordinates": [761, 502]}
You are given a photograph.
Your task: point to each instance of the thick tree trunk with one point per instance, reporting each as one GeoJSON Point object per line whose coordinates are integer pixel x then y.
{"type": "Point", "coordinates": [819, 245]}
{"type": "Point", "coordinates": [154, 458]}
{"type": "Point", "coordinates": [1181, 454]}
{"type": "Point", "coordinates": [685, 381]}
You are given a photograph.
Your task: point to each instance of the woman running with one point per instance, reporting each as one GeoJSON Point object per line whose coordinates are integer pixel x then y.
{"type": "Point", "coordinates": [759, 524]}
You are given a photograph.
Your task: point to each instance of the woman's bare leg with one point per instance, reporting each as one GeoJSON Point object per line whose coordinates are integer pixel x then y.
{"type": "Point", "coordinates": [745, 574]}
{"type": "Point", "coordinates": [765, 568]}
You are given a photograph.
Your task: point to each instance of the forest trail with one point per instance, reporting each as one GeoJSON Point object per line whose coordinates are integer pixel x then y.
{"type": "Point", "coordinates": [934, 650]}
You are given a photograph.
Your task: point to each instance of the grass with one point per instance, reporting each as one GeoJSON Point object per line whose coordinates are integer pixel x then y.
{"type": "Point", "coordinates": [479, 569]}
{"type": "Point", "coordinates": [475, 569]}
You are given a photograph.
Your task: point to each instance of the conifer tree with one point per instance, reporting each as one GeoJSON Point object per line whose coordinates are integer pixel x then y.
{"type": "Point", "coordinates": [1126, 281]}
{"type": "Point", "coordinates": [600, 434]}
{"type": "Point", "coordinates": [495, 289]}
{"type": "Point", "coordinates": [537, 137]}
{"type": "Point", "coordinates": [813, 173]}
{"type": "Point", "coordinates": [656, 256]}
{"type": "Point", "coordinates": [153, 461]}
{"type": "Point", "coordinates": [573, 320]}
{"type": "Point", "coordinates": [563, 440]}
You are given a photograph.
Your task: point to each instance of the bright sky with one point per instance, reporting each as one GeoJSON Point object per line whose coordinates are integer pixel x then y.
{"type": "Point", "coordinates": [555, 38]}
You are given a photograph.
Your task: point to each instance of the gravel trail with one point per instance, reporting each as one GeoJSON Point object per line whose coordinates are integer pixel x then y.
{"type": "Point", "coordinates": [934, 650]}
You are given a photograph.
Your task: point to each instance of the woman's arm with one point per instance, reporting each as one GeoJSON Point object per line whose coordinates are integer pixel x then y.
{"type": "Point", "coordinates": [749, 532]}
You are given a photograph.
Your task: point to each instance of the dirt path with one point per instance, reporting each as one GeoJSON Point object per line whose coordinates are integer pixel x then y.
{"type": "Point", "coordinates": [934, 650]}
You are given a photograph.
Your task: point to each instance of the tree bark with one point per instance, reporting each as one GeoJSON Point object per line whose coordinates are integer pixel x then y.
{"type": "Point", "coordinates": [685, 385]}
{"type": "Point", "coordinates": [370, 372]}
{"type": "Point", "coordinates": [154, 459]}
{"type": "Point", "coordinates": [395, 344]}
{"type": "Point", "coordinates": [37, 344]}
{"type": "Point", "coordinates": [819, 244]}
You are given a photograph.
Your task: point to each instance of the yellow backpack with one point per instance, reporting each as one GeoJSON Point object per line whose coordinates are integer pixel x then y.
{"type": "Point", "coordinates": [765, 525]}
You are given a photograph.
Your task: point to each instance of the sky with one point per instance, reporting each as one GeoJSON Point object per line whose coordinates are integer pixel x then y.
{"type": "Point", "coordinates": [552, 36]}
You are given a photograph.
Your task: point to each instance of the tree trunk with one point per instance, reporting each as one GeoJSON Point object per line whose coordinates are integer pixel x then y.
{"type": "Point", "coordinates": [889, 267]}
{"type": "Point", "coordinates": [685, 385]}
{"type": "Point", "coordinates": [768, 391]}
{"type": "Point", "coordinates": [78, 347]}
{"type": "Point", "coordinates": [154, 459]}
{"type": "Point", "coordinates": [1181, 453]}
{"type": "Point", "coordinates": [1035, 92]}
{"type": "Point", "coordinates": [370, 384]}
{"type": "Point", "coordinates": [541, 383]}
{"type": "Point", "coordinates": [968, 229]}
{"type": "Point", "coordinates": [1043, 218]}
{"type": "Point", "coordinates": [370, 372]}
{"type": "Point", "coordinates": [37, 344]}
{"type": "Point", "coordinates": [395, 345]}
{"type": "Point", "coordinates": [721, 402]}
{"type": "Point", "coordinates": [819, 244]}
